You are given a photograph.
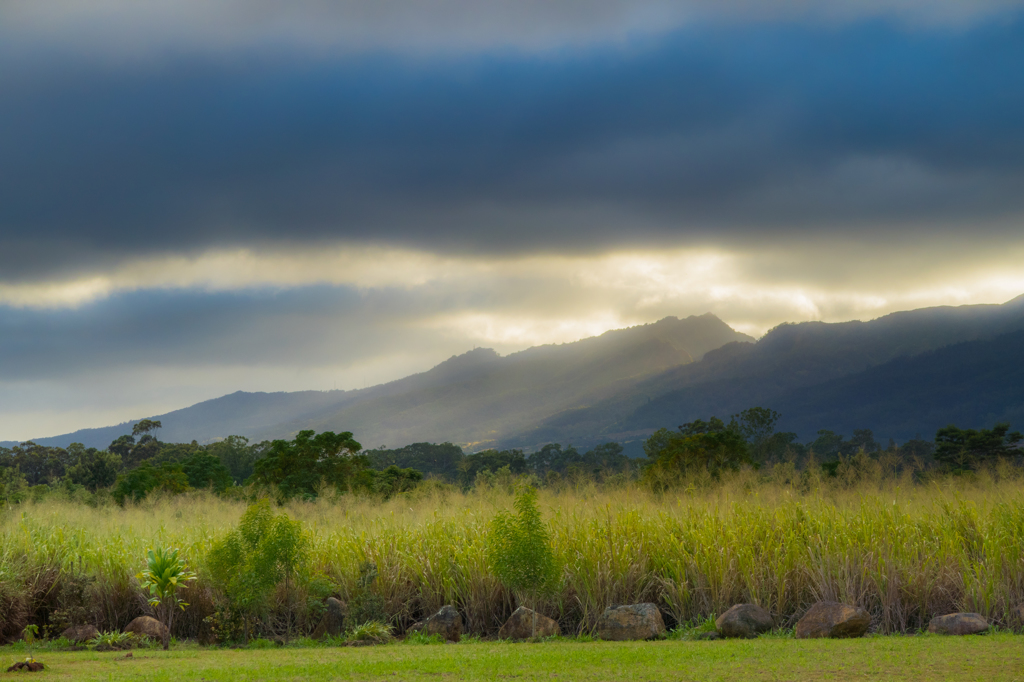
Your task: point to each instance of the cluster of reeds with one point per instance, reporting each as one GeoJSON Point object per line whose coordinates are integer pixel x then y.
{"type": "Point", "coordinates": [905, 551]}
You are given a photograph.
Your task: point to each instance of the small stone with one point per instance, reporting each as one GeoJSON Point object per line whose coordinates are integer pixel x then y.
{"type": "Point", "coordinates": [446, 622]}
{"type": "Point", "coordinates": [636, 621]}
{"type": "Point", "coordinates": [76, 634]}
{"type": "Point", "coordinates": [708, 636]}
{"type": "Point", "coordinates": [147, 626]}
{"type": "Point", "coordinates": [522, 625]}
{"type": "Point", "coordinates": [745, 621]}
{"type": "Point", "coordinates": [831, 619]}
{"type": "Point", "coordinates": [333, 622]}
{"type": "Point", "coordinates": [958, 624]}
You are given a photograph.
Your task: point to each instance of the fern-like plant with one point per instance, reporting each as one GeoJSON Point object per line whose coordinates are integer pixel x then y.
{"type": "Point", "coordinates": [165, 573]}
{"type": "Point", "coordinates": [519, 550]}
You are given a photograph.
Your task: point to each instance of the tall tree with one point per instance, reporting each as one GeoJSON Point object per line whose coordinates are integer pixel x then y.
{"type": "Point", "coordinates": [299, 467]}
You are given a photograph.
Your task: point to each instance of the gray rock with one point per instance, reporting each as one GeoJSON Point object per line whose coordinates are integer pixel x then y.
{"type": "Point", "coordinates": [521, 625]}
{"type": "Point", "coordinates": [708, 636]}
{"type": "Point", "coordinates": [446, 622]}
{"type": "Point", "coordinates": [1019, 613]}
{"type": "Point", "coordinates": [333, 622]}
{"type": "Point", "coordinates": [745, 621]}
{"type": "Point", "coordinates": [831, 619]}
{"type": "Point", "coordinates": [958, 624]}
{"type": "Point", "coordinates": [76, 634]}
{"type": "Point", "coordinates": [147, 626]}
{"type": "Point", "coordinates": [636, 621]}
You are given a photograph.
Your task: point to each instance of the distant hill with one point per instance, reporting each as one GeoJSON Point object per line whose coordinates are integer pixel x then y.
{"type": "Point", "coordinates": [820, 375]}
{"type": "Point", "coordinates": [478, 398]}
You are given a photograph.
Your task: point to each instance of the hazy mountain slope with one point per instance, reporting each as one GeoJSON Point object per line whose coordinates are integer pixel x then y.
{"type": "Point", "coordinates": [473, 397]}
{"type": "Point", "coordinates": [789, 357]}
{"type": "Point", "coordinates": [974, 384]}
{"type": "Point", "coordinates": [520, 390]}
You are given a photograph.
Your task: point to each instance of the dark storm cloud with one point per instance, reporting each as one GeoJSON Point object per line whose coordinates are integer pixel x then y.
{"type": "Point", "coordinates": [714, 132]}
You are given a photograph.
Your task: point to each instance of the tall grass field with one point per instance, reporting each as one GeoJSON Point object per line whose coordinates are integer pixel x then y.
{"type": "Point", "coordinates": [904, 551]}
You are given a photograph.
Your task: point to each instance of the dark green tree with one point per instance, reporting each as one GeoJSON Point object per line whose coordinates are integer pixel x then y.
{"type": "Point", "coordinates": [237, 455]}
{"type": "Point", "coordinates": [490, 461]}
{"type": "Point", "coordinates": [93, 469]}
{"type": "Point", "coordinates": [439, 460]}
{"type": "Point", "coordinates": [206, 471]}
{"type": "Point", "coordinates": [967, 449]}
{"type": "Point", "coordinates": [299, 467]}
{"type": "Point", "coordinates": [673, 455]}
{"type": "Point", "coordinates": [135, 485]}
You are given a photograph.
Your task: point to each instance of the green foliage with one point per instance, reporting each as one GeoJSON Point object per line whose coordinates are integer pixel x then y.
{"type": "Point", "coordinates": [138, 483]}
{"type": "Point", "coordinates": [967, 449]}
{"type": "Point", "coordinates": [93, 469]}
{"type": "Point", "coordinates": [299, 467]}
{"type": "Point", "coordinates": [439, 460]}
{"type": "Point", "coordinates": [372, 631]}
{"type": "Point", "coordinates": [391, 481]}
{"type": "Point", "coordinates": [674, 455]}
{"type": "Point", "coordinates": [249, 562]}
{"type": "Point", "coordinates": [519, 548]}
{"type": "Point", "coordinates": [165, 572]}
{"type": "Point", "coordinates": [146, 426]}
{"type": "Point", "coordinates": [491, 461]}
{"type": "Point", "coordinates": [112, 640]}
{"type": "Point", "coordinates": [206, 471]}
{"type": "Point", "coordinates": [235, 453]}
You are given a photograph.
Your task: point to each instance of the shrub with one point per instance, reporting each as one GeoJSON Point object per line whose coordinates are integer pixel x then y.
{"type": "Point", "coordinates": [248, 563]}
{"type": "Point", "coordinates": [519, 549]}
{"type": "Point", "coordinates": [165, 572]}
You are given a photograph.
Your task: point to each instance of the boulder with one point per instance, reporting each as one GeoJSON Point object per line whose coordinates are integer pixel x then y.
{"type": "Point", "coordinates": [521, 625]}
{"type": "Point", "coordinates": [333, 622]}
{"type": "Point", "coordinates": [76, 634]}
{"type": "Point", "coordinates": [958, 624]}
{"type": "Point", "coordinates": [1019, 613]}
{"type": "Point", "coordinates": [636, 621]}
{"type": "Point", "coordinates": [147, 626]}
{"type": "Point", "coordinates": [831, 619]}
{"type": "Point", "coordinates": [446, 622]}
{"type": "Point", "coordinates": [745, 621]}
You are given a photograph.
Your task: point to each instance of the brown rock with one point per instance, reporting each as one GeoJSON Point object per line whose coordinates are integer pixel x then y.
{"type": "Point", "coordinates": [76, 634]}
{"type": "Point", "coordinates": [636, 621]}
{"type": "Point", "coordinates": [1019, 612]}
{"type": "Point", "coordinates": [831, 619]}
{"type": "Point", "coordinates": [745, 621]}
{"type": "Point", "coordinates": [147, 626]}
{"type": "Point", "coordinates": [521, 625]}
{"type": "Point", "coordinates": [958, 624]}
{"type": "Point", "coordinates": [446, 622]}
{"type": "Point", "coordinates": [333, 622]}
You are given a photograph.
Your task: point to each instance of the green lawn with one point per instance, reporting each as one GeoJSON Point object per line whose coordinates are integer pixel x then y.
{"type": "Point", "coordinates": [991, 657]}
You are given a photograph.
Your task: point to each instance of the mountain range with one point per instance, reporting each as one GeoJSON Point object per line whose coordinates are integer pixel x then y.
{"type": "Point", "coordinates": [900, 375]}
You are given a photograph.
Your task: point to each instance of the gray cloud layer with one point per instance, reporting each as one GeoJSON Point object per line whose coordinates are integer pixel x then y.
{"type": "Point", "coordinates": [710, 135]}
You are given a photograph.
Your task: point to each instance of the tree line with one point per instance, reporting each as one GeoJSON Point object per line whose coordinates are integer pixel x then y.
{"type": "Point", "coordinates": [135, 465]}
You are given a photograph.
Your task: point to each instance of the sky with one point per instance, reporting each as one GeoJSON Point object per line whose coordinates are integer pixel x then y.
{"type": "Point", "coordinates": [198, 198]}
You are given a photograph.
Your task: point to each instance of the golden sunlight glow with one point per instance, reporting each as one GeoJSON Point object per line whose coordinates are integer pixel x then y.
{"type": "Point", "coordinates": [530, 300]}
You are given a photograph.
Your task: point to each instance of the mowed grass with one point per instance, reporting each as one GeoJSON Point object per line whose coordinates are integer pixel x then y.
{"type": "Point", "coordinates": [990, 657]}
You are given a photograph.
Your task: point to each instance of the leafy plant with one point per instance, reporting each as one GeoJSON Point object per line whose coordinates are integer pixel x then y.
{"type": "Point", "coordinates": [30, 638]}
{"type": "Point", "coordinates": [248, 563]}
{"type": "Point", "coordinates": [373, 631]}
{"type": "Point", "coordinates": [519, 550]}
{"type": "Point", "coordinates": [111, 640]}
{"type": "Point", "coordinates": [165, 573]}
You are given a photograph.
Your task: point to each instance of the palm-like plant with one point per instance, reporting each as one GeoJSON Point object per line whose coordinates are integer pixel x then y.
{"type": "Point", "coordinates": [165, 573]}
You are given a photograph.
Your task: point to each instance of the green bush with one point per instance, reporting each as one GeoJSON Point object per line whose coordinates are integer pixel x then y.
{"type": "Point", "coordinates": [250, 562]}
